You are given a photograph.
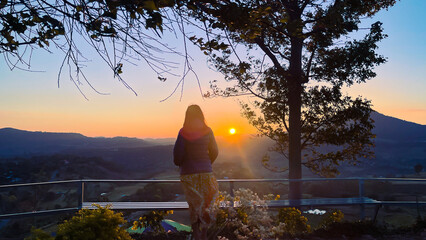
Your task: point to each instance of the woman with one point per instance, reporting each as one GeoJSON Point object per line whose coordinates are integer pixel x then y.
{"type": "Point", "coordinates": [194, 152]}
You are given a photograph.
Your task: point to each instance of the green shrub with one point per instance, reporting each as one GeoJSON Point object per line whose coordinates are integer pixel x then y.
{"type": "Point", "coordinates": [161, 236]}
{"type": "Point", "coordinates": [291, 222]}
{"type": "Point", "coordinates": [101, 223]}
{"type": "Point", "coordinates": [351, 229]}
{"type": "Point", "coordinates": [38, 234]}
{"type": "Point", "coordinates": [330, 218]}
{"type": "Point", "coordinates": [420, 225]}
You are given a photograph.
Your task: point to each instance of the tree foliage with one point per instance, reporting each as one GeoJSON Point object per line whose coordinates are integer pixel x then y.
{"type": "Point", "coordinates": [119, 30]}
{"type": "Point", "coordinates": [418, 168]}
{"type": "Point", "coordinates": [295, 57]}
{"type": "Point", "coordinates": [38, 234]}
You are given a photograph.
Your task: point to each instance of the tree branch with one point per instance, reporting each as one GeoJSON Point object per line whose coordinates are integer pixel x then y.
{"type": "Point", "coordinates": [308, 66]}
{"type": "Point", "coordinates": [271, 56]}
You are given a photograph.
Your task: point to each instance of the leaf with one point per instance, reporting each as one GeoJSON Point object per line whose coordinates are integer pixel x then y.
{"type": "Point", "coordinates": [3, 3]}
{"type": "Point", "coordinates": [163, 79]}
{"type": "Point", "coordinates": [150, 5]}
{"type": "Point", "coordinates": [118, 69]}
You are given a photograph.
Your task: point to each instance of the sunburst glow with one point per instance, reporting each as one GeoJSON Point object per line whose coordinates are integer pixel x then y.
{"type": "Point", "coordinates": [232, 131]}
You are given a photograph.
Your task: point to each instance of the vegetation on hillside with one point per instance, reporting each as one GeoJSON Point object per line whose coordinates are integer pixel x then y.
{"type": "Point", "coordinates": [56, 167]}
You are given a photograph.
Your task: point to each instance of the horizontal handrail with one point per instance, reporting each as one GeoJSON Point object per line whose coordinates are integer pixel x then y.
{"type": "Point", "coordinates": [81, 189]}
{"type": "Point", "coordinates": [236, 180]}
{"type": "Point", "coordinates": [38, 213]}
{"type": "Point", "coordinates": [38, 183]}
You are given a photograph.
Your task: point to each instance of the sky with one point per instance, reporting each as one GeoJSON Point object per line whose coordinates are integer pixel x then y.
{"type": "Point", "coordinates": [31, 100]}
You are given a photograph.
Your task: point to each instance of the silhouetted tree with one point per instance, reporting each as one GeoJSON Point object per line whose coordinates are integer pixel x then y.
{"type": "Point", "coordinates": [418, 168]}
{"type": "Point", "coordinates": [295, 56]}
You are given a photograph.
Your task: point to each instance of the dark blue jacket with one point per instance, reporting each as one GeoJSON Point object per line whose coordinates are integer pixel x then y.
{"type": "Point", "coordinates": [195, 152]}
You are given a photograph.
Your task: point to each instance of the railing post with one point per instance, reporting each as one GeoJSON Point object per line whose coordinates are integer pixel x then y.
{"type": "Point", "coordinates": [295, 202]}
{"type": "Point", "coordinates": [35, 199]}
{"type": "Point", "coordinates": [231, 190]}
{"type": "Point", "coordinates": [361, 197]}
{"type": "Point", "coordinates": [81, 194]}
{"type": "Point", "coordinates": [35, 206]}
{"type": "Point", "coordinates": [419, 216]}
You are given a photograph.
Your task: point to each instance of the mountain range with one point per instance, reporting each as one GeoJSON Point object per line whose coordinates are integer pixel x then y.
{"type": "Point", "coordinates": [399, 146]}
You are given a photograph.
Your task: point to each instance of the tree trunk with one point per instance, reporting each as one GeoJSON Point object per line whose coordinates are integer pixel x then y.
{"type": "Point", "coordinates": [295, 105]}
{"type": "Point", "coordinates": [295, 165]}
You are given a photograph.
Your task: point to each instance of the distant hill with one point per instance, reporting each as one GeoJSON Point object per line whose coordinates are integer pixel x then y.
{"type": "Point", "coordinates": [57, 167]}
{"type": "Point", "coordinates": [391, 128]}
{"type": "Point", "coordinates": [399, 146]}
{"type": "Point", "coordinates": [14, 142]}
{"type": "Point", "coordinates": [140, 162]}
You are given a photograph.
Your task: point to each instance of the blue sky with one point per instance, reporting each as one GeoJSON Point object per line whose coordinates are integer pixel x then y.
{"type": "Point", "coordinates": [399, 89]}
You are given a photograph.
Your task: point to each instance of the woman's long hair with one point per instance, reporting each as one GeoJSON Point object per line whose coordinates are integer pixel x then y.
{"type": "Point", "coordinates": [194, 119]}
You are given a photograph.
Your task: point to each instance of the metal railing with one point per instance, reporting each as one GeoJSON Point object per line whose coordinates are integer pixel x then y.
{"type": "Point", "coordinates": [80, 185]}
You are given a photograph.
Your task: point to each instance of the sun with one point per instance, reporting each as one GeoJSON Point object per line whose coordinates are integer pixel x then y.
{"type": "Point", "coordinates": [232, 131]}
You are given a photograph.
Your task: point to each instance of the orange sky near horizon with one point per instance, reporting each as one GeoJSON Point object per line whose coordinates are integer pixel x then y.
{"type": "Point", "coordinates": [103, 117]}
{"type": "Point", "coordinates": [126, 115]}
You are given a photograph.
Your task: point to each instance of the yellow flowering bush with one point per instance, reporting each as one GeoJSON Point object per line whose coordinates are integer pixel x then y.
{"type": "Point", "coordinates": [88, 224]}
{"type": "Point", "coordinates": [38, 234]}
{"type": "Point", "coordinates": [291, 222]}
{"type": "Point", "coordinates": [332, 217]}
{"type": "Point", "coordinates": [152, 220]}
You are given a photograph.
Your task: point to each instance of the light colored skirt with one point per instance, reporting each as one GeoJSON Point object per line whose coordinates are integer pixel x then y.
{"type": "Point", "coordinates": [201, 191]}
